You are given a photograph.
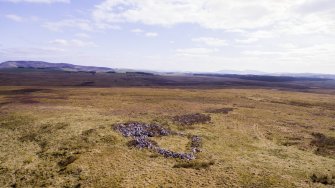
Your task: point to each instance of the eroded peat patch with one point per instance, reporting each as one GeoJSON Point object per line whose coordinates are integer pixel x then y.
{"type": "Point", "coordinates": [191, 119]}
{"type": "Point", "coordinates": [220, 110]}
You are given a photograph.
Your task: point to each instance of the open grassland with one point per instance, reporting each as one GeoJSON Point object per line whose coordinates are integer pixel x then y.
{"type": "Point", "coordinates": [64, 137]}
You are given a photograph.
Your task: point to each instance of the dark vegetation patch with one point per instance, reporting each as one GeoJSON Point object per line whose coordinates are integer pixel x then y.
{"type": "Point", "coordinates": [191, 119]}
{"type": "Point", "coordinates": [88, 132]}
{"type": "Point", "coordinates": [44, 176]}
{"type": "Point", "coordinates": [41, 136]}
{"type": "Point", "coordinates": [88, 83]}
{"type": "Point", "coordinates": [32, 77]}
{"type": "Point", "coordinates": [325, 145]}
{"type": "Point", "coordinates": [23, 91]}
{"type": "Point", "coordinates": [140, 73]}
{"type": "Point", "coordinates": [265, 78]}
{"type": "Point", "coordinates": [28, 90]}
{"type": "Point", "coordinates": [322, 105]}
{"type": "Point", "coordinates": [27, 100]}
{"type": "Point", "coordinates": [14, 121]}
{"type": "Point", "coordinates": [221, 110]}
{"type": "Point", "coordinates": [30, 137]}
{"type": "Point", "coordinates": [67, 161]}
{"type": "Point", "coordinates": [25, 96]}
{"type": "Point", "coordinates": [5, 103]}
{"type": "Point", "coordinates": [290, 141]}
{"type": "Point", "coordinates": [194, 165]}
{"type": "Point", "coordinates": [322, 178]}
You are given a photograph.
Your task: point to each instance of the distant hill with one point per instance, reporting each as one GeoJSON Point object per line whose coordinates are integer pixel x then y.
{"type": "Point", "coordinates": [309, 75]}
{"type": "Point", "coordinates": [243, 72]}
{"type": "Point", "coordinates": [266, 78]}
{"type": "Point", "coordinates": [52, 66]}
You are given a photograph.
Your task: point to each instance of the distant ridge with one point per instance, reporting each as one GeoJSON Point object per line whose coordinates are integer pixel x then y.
{"type": "Point", "coordinates": [242, 74]}
{"type": "Point", "coordinates": [51, 66]}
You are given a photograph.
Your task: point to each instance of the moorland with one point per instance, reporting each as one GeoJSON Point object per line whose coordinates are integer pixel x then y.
{"type": "Point", "coordinates": [69, 129]}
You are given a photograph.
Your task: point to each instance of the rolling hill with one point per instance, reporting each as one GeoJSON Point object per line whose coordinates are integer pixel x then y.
{"type": "Point", "coordinates": [51, 66]}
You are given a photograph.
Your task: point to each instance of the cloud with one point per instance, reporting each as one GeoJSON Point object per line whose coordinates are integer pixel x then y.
{"type": "Point", "coordinates": [151, 34]}
{"type": "Point", "coordinates": [216, 14]}
{"type": "Point", "coordinates": [195, 51]}
{"type": "Point", "coordinates": [72, 43]}
{"type": "Point", "coordinates": [213, 14]}
{"type": "Point", "coordinates": [37, 1]}
{"type": "Point", "coordinates": [82, 35]}
{"type": "Point", "coordinates": [81, 24]}
{"type": "Point", "coordinates": [136, 30]}
{"type": "Point", "coordinates": [247, 40]}
{"type": "Point", "coordinates": [209, 41]}
{"type": "Point", "coordinates": [14, 17]}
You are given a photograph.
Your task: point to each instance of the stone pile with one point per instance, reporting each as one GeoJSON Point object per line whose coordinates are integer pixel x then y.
{"type": "Point", "coordinates": [137, 129]}
{"type": "Point", "coordinates": [195, 144]}
{"type": "Point", "coordinates": [141, 131]}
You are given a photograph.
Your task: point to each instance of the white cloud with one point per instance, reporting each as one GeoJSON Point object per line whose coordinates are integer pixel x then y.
{"type": "Point", "coordinates": [151, 34]}
{"type": "Point", "coordinates": [214, 14]}
{"type": "Point", "coordinates": [232, 15]}
{"type": "Point", "coordinates": [14, 17]}
{"type": "Point", "coordinates": [37, 1]}
{"type": "Point", "coordinates": [209, 41]}
{"type": "Point", "coordinates": [81, 24]}
{"type": "Point", "coordinates": [137, 30]}
{"type": "Point", "coordinates": [247, 40]}
{"type": "Point", "coordinates": [82, 35]}
{"type": "Point", "coordinates": [73, 43]}
{"type": "Point", "coordinates": [196, 51]}
{"type": "Point", "coordinates": [59, 42]}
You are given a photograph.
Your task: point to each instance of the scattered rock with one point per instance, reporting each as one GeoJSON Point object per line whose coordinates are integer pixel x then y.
{"type": "Point", "coordinates": [190, 119]}
{"type": "Point", "coordinates": [142, 143]}
{"type": "Point", "coordinates": [195, 144]}
{"type": "Point", "coordinates": [141, 131]}
{"type": "Point", "coordinates": [138, 129]}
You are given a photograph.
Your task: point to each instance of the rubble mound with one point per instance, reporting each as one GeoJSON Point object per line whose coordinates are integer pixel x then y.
{"type": "Point", "coordinates": [196, 143]}
{"type": "Point", "coordinates": [140, 132]}
{"type": "Point", "coordinates": [138, 129]}
{"type": "Point", "coordinates": [191, 119]}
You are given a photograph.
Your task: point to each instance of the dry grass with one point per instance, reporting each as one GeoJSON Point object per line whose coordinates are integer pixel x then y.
{"type": "Point", "coordinates": [66, 139]}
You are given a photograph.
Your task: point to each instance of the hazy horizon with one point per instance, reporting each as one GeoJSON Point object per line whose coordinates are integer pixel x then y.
{"type": "Point", "coordinates": [181, 35]}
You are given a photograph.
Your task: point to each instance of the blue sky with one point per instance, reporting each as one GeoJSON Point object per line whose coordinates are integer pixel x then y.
{"type": "Point", "coordinates": [173, 35]}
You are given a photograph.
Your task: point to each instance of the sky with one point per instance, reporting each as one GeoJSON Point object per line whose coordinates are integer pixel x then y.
{"type": "Point", "coordinates": [295, 36]}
